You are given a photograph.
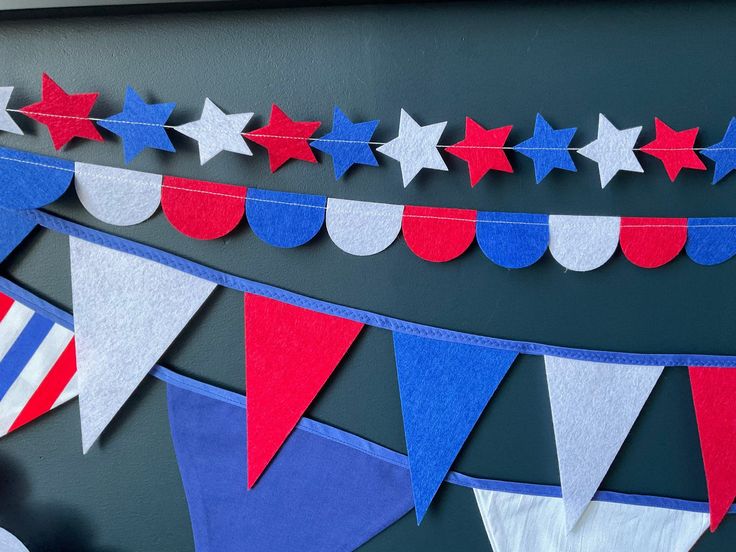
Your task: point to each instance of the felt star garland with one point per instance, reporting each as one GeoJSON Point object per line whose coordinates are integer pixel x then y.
{"type": "Point", "coordinates": [141, 125]}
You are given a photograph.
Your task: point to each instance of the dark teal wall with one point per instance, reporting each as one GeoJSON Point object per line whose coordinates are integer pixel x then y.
{"type": "Point", "coordinates": [497, 62]}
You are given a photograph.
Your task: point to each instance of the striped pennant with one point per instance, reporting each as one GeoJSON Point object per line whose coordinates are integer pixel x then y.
{"type": "Point", "coordinates": [37, 365]}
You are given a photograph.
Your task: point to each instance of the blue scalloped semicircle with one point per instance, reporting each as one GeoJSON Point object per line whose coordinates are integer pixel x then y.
{"type": "Point", "coordinates": [512, 240]}
{"type": "Point", "coordinates": [29, 181]}
{"type": "Point", "coordinates": [711, 241]}
{"type": "Point", "coordinates": [284, 219]}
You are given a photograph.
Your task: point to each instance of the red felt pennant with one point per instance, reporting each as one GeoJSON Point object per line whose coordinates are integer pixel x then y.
{"type": "Point", "coordinates": [652, 242]}
{"type": "Point", "coordinates": [202, 210]}
{"type": "Point", "coordinates": [290, 352]}
{"type": "Point", "coordinates": [65, 115]}
{"type": "Point", "coordinates": [482, 150]}
{"type": "Point", "coordinates": [674, 148]}
{"type": "Point", "coordinates": [713, 391]}
{"type": "Point", "coordinates": [437, 234]}
{"type": "Point", "coordinates": [285, 139]}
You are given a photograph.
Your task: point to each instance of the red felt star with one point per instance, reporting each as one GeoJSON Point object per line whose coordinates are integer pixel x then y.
{"type": "Point", "coordinates": [482, 150]}
{"type": "Point", "coordinates": [284, 139]}
{"type": "Point", "coordinates": [674, 148]}
{"type": "Point", "coordinates": [65, 115]}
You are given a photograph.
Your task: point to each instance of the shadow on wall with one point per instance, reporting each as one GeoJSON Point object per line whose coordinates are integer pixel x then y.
{"type": "Point", "coordinates": [57, 528]}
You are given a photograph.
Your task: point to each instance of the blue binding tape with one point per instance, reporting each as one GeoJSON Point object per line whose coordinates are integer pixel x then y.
{"type": "Point", "coordinates": [65, 319]}
{"type": "Point", "coordinates": [63, 226]}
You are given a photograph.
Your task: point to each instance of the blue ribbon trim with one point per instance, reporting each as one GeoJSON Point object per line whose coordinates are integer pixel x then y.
{"type": "Point", "coordinates": [65, 319]}
{"type": "Point", "coordinates": [63, 226]}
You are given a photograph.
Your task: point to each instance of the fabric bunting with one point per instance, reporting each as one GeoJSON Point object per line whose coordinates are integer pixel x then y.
{"type": "Point", "coordinates": [516, 522]}
{"type": "Point", "coordinates": [318, 495]}
{"type": "Point", "coordinates": [7, 124]}
{"type": "Point", "coordinates": [444, 388]}
{"type": "Point", "coordinates": [37, 365]}
{"type": "Point", "coordinates": [14, 228]}
{"type": "Point", "coordinates": [208, 210]}
{"type": "Point", "coordinates": [290, 352]}
{"type": "Point", "coordinates": [594, 405]}
{"type": "Point", "coordinates": [713, 392]}
{"type": "Point", "coordinates": [128, 311]}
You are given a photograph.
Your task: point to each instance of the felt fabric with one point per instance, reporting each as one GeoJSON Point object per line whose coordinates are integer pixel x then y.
{"type": "Point", "coordinates": [582, 243]}
{"type": "Point", "coordinates": [117, 196]}
{"type": "Point", "coordinates": [202, 210]}
{"type": "Point", "coordinates": [319, 495]}
{"type": "Point", "coordinates": [723, 153]}
{"type": "Point", "coordinates": [444, 388]}
{"type": "Point", "coordinates": [37, 364]}
{"type": "Point", "coordinates": [711, 241]}
{"type": "Point", "coordinates": [613, 150]}
{"type": "Point", "coordinates": [512, 240]}
{"type": "Point", "coordinates": [516, 523]}
{"type": "Point", "coordinates": [140, 125]}
{"type": "Point", "coordinates": [652, 242]}
{"type": "Point", "coordinates": [7, 124]}
{"type": "Point", "coordinates": [13, 229]}
{"type": "Point", "coordinates": [415, 148]}
{"type": "Point", "coordinates": [215, 132]}
{"type": "Point", "coordinates": [437, 234]}
{"type": "Point", "coordinates": [348, 143]}
{"type": "Point", "coordinates": [284, 219]}
{"type": "Point", "coordinates": [65, 115]}
{"type": "Point", "coordinates": [713, 392]}
{"type": "Point", "coordinates": [674, 148]}
{"type": "Point", "coordinates": [127, 311]}
{"type": "Point", "coordinates": [482, 150]}
{"type": "Point", "coordinates": [30, 180]}
{"type": "Point", "coordinates": [548, 148]}
{"type": "Point", "coordinates": [290, 352]}
{"type": "Point", "coordinates": [594, 405]}
{"type": "Point", "coordinates": [361, 227]}
{"type": "Point", "coordinates": [285, 139]}
{"type": "Point", "coordinates": [9, 543]}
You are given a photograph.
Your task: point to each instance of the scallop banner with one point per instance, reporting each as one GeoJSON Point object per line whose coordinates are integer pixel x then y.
{"type": "Point", "coordinates": [210, 210]}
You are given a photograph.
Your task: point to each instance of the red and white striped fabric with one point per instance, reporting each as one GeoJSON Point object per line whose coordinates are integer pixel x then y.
{"type": "Point", "coordinates": [37, 365]}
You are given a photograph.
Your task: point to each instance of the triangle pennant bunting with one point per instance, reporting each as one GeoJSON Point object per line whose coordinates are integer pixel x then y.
{"type": "Point", "coordinates": [444, 387]}
{"type": "Point", "coordinates": [127, 311]}
{"type": "Point", "coordinates": [319, 494]}
{"type": "Point", "coordinates": [526, 522]}
{"type": "Point", "coordinates": [714, 392]}
{"type": "Point", "coordinates": [290, 352]}
{"type": "Point", "coordinates": [594, 405]}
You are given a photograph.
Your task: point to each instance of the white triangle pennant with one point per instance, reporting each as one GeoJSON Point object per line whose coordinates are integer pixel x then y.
{"type": "Point", "coordinates": [526, 522]}
{"type": "Point", "coordinates": [127, 311]}
{"type": "Point", "coordinates": [594, 405]}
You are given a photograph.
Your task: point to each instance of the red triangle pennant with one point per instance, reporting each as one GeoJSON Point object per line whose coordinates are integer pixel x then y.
{"type": "Point", "coordinates": [713, 391]}
{"type": "Point", "coordinates": [290, 352]}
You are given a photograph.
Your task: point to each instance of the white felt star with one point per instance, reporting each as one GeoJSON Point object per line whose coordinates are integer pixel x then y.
{"type": "Point", "coordinates": [7, 124]}
{"type": "Point", "coordinates": [612, 150]}
{"type": "Point", "coordinates": [415, 147]}
{"type": "Point", "coordinates": [215, 131]}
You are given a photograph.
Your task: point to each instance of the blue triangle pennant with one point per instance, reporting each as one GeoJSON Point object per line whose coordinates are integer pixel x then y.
{"type": "Point", "coordinates": [444, 387]}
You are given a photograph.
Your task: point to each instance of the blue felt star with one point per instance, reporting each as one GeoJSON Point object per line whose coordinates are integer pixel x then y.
{"type": "Point", "coordinates": [724, 152]}
{"type": "Point", "coordinates": [548, 148]}
{"type": "Point", "coordinates": [348, 143]}
{"type": "Point", "coordinates": [140, 125]}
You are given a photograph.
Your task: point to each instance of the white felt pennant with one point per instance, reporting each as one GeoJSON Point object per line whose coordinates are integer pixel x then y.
{"type": "Point", "coordinates": [516, 523]}
{"type": "Point", "coordinates": [7, 124]}
{"type": "Point", "coordinates": [594, 405]}
{"type": "Point", "coordinates": [9, 543]}
{"type": "Point", "coordinates": [583, 243]}
{"type": "Point", "coordinates": [613, 150]}
{"type": "Point", "coordinates": [117, 196]}
{"type": "Point", "coordinates": [361, 227]}
{"type": "Point", "coordinates": [216, 131]}
{"type": "Point", "coordinates": [127, 311]}
{"type": "Point", "coordinates": [415, 148]}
